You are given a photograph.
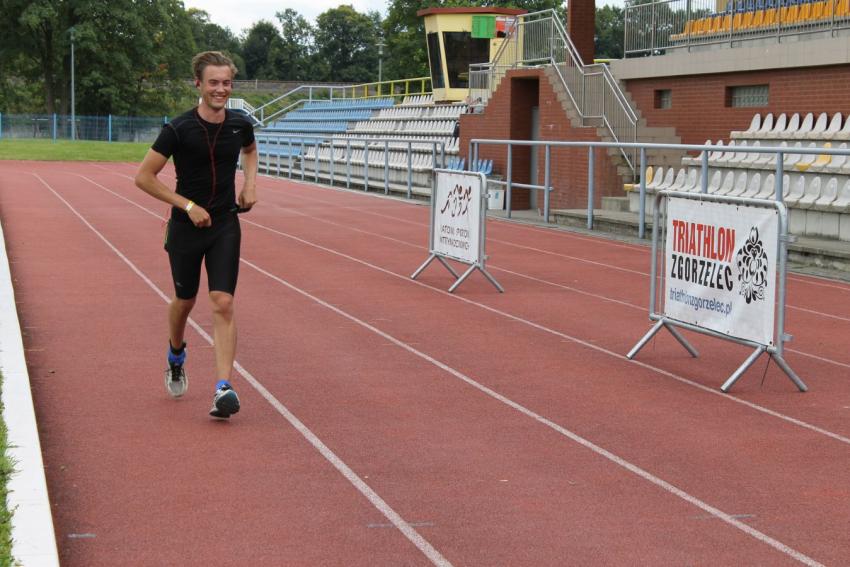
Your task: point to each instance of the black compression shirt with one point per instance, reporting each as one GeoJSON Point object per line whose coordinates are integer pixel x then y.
{"type": "Point", "coordinates": [191, 140]}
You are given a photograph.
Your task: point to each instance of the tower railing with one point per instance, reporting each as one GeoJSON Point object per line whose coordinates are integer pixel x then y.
{"type": "Point", "coordinates": [540, 39]}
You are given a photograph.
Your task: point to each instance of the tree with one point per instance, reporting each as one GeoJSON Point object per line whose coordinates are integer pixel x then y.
{"type": "Point", "coordinates": [259, 42]}
{"type": "Point", "coordinates": [290, 58]}
{"type": "Point", "coordinates": [609, 32]}
{"type": "Point", "coordinates": [212, 37]}
{"type": "Point", "coordinates": [346, 45]}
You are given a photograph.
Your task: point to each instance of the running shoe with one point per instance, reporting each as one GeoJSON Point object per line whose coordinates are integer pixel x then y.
{"type": "Point", "coordinates": [176, 381]}
{"type": "Point", "coordinates": [225, 402]}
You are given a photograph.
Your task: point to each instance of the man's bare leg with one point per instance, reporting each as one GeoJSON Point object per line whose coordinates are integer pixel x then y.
{"type": "Point", "coordinates": [226, 402]}
{"type": "Point", "coordinates": [178, 314]}
{"type": "Point", "coordinates": [175, 377]}
{"type": "Point", "coordinates": [224, 333]}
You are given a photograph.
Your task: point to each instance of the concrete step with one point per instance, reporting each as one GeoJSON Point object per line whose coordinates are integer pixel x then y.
{"type": "Point", "coordinates": [620, 204]}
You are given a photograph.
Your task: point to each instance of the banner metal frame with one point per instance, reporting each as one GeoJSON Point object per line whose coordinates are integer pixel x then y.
{"type": "Point", "coordinates": [479, 263]}
{"type": "Point", "coordinates": [663, 321]}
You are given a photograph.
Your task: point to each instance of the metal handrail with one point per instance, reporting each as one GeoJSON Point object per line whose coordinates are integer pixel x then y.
{"type": "Point", "coordinates": [615, 114]}
{"type": "Point", "coordinates": [260, 112]}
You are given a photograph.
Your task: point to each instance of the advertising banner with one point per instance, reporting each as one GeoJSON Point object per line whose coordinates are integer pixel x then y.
{"type": "Point", "coordinates": [720, 263]}
{"type": "Point", "coordinates": [457, 217]}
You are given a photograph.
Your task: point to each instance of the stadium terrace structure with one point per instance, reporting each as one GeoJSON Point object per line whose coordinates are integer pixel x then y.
{"type": "Point", "coordinates": [747, 74]}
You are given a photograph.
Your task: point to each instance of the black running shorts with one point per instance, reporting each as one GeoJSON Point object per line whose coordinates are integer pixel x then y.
{"type": "Point", "coordinates": [217, 246]}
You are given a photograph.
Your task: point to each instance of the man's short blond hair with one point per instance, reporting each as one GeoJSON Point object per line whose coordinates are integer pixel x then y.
{"type": "Point", "coordinates": [215, 58]}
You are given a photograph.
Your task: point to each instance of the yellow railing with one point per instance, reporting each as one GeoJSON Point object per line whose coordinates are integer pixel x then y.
{"type": "Point", "coordinates": [400, 87]}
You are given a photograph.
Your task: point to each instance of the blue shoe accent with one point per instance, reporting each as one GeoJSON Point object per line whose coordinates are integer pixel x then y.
{"type": "Point", "coordinates": [177, 359]}
{"type": "Point", "coordinates": [223, 385]}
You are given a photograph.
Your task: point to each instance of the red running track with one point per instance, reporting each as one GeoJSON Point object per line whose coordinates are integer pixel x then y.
{"type": "Point", "coordinates": [387, 422]}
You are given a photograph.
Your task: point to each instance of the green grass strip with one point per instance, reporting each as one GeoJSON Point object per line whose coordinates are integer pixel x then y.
{"type": "Point", "coordinates": [7, 467]}
{"type": "Point", "coordinates": [66, 150]}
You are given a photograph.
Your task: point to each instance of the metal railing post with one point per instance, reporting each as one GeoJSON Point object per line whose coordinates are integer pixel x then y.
{"type": "Point", "coordinates": [704, 173]}
{"type": "Point", "coordinates": [409, 170]}
{"type": "Point", "coordinates": [109, 129]}
{"type": "Point", "coordinates": [547, 181]}
{"type": "Point", "coordinates": [365, 165]}
{"type": "Point", "coordinates": [289, 162]}
{"type": "Point", "coordinates": [780, 173]}
{"type": "Point", "coordinates": [54, 127]}
{"type": "Point", "coordinates": [348, 163]}
{"type": "Point", "coordinates": [510, 182]}
{"type": "Point", "coordinates": [642, 196]}
{"type": "Point", "coordinates": [386, 167]}
{"type": "Point", "coordinates": [590, 186]}
{"type": "Point", "coordinates": [331, 167]}
{"type": "Point", "coordinates": [316, 170]}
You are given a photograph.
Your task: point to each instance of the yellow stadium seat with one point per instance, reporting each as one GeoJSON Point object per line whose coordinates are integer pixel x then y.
{"type": "Point", "coordinates": [636, 186]}
{"type": "Point", "coordinates": [770, 16]}
{"type": "Point", "coordinates": [817, 11]}
{"type": "Point", "coordinates": [726, 24]}
{"type": "Point", "coordinates": [748, 21]}
{"type": "Point", "coordinates": [804, 14]}
{"type": "Point", "coordinates": [842, 8]}
{"type": "Point", "coordinates": [758, 19]}
{"type": "Point", "coordinates": [788, 14]}
{"type": "Point", "coordinates": [715, 25]}
{"type": "Point", "coordinates": [685, 32]}
{"type": "Point", "coordinates": [737, 20]}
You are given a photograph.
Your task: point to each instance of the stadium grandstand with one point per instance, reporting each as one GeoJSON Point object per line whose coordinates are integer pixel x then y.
{"type": "Point", "coordinates": [736, 76]}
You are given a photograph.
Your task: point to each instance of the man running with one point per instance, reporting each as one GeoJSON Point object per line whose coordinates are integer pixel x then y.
{"type": "Point", "coordinates": [205, 143]}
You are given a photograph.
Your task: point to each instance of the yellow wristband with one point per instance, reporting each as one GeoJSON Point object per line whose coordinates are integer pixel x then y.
{"type": "Point", "coordinates": [189, 206]}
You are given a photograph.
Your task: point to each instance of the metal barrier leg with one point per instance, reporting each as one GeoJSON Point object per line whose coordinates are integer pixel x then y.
{"type": "Point", "coordinates": [743, 368]}
{"type": "Point", "coordinates": [642, 343]}
{"type": "Point", "coordinates": [430, 259]}
{"type": "Point", "coordinates": [791, 374]}
{"type": "Point", "coordinates": [463, 277]}
{"type": "Point", "coordinates": [682, 340]}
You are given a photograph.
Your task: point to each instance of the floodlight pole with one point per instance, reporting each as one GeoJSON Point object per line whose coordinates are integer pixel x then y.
{"type": "Point", "coordinates": [73, 94]}
{"type": "Point", "coordinates": [380, 58]}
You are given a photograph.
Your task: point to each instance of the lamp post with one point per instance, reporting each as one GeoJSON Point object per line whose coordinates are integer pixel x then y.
{"type": "Point", "coordinates": [380, 58]}
{"type": "Point", "coordinates": [73, 93]}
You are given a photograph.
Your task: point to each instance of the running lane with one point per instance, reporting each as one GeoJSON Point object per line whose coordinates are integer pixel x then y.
{"type": "Point", "coordinates": [351, 348]}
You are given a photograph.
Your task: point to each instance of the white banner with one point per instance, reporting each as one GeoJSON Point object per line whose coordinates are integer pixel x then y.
{"type": "Point", "coordinates": [457, 216]}
{"type": "Point", "coordinates": [720, 260]}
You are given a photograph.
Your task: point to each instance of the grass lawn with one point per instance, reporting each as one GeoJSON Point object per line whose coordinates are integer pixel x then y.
{"type": "Point", "coordinates": [6, 469]}
{"type": "Point", "coordinates": [65, 150]}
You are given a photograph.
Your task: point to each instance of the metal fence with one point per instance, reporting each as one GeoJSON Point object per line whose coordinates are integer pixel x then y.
{"type": "Point", "coordinates": [701, 182]}
{"type": "Point", "coordinates": [98, 128]}
{"type": "Point", "coordinates": [541, 39]}
{"type": "Point", "coordinates": [653, 28]}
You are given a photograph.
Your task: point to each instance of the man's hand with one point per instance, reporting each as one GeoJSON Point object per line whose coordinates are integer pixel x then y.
{"type": "Point", "coordinates": [247, 198]}
{"type": "Point", "coordinates": [199, 216]}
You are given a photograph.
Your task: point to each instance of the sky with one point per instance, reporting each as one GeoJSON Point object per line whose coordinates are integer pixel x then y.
{"type": "Point", "coordinates": [241, 15]}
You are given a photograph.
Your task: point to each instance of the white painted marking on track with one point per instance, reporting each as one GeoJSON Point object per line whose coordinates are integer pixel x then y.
{"type": "Point", "coordinates": [576, 258]}
{"type": "Point", "coordinates": [634, 469]}
{"type": "Point", "coordinates": [642, 473]}
{"type": "Point", "coordinates": [589, 344]}
{"type": "Point", "coordinates": [404, 527]}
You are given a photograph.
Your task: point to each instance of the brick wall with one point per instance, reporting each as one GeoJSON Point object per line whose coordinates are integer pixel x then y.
{"type": "Point", "coordinates": [699, 110]}
{"type": "Point", "coordinates": [508, 116]}
{"type": "Point", "coordinates": [581, 27]}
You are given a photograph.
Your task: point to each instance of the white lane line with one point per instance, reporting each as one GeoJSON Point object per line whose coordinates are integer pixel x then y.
{"type": "Point", "coordinates": [804, 279]}
{"type": "Point", "coordinates": [566, 256]}
{"type": "Point", "coordinates": [681, 379]}
{"type": "Point", "coordinates": [404, 527]}
{"type": "Point", "coordinates": [631, 467]}
{"type": "Point", "coordinates": [526, 276]}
